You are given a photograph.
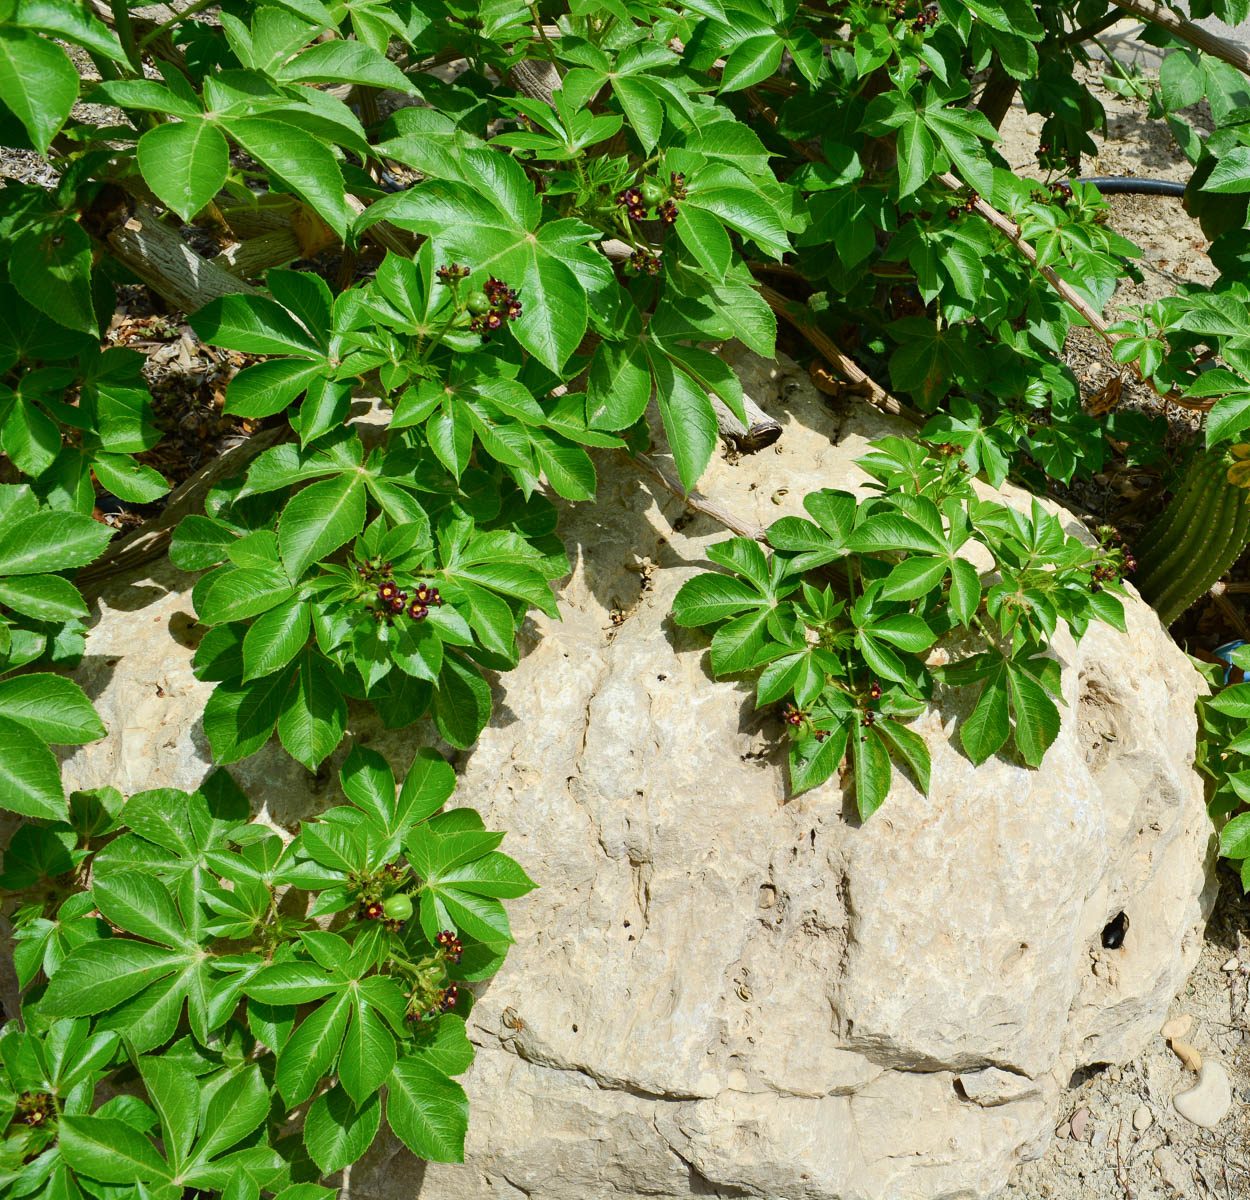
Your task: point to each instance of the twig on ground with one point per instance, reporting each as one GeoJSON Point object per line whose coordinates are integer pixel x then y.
{"type": "Point", "coordinates": [650, 467]}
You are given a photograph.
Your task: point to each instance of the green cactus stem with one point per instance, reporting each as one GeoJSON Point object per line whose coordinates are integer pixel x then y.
{"type": "Point", "coordinates": [1198, 537]}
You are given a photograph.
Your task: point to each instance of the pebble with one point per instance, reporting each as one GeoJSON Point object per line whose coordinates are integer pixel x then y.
{"type": "Point", "coordinates": [1097, 1138]}
{"type": "Point", "coordinates": [1177, 1027]}
{"type": "Point", "coordinates": [1231, 965]}
{"type": "Point", "coordinates": [1142, 1117]}
{"type": "Point", "coordinates": [1174, 1175]}
{"type": "Point", "coordinates": [1208, 1101]}
{"type": "Point", "coordinates": [1187, 1054]}
{"type": "Point", "coordinates": [1080, 1119]}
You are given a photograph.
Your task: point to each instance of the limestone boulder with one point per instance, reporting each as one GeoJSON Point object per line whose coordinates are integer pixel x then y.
{"type": "Point", "coordinates": [718, 989]}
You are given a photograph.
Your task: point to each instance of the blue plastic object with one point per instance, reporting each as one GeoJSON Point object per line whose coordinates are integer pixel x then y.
{"type": "Point", "coordinates": [1225, 652]}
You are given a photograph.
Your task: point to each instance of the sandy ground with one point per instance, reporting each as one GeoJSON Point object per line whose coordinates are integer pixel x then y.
{"type": "Point", "coordinates": [1170, 1157]}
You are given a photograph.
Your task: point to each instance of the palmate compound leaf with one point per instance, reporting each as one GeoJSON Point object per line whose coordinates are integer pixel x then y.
{"type": "Point", "coordinates": [141, 986]}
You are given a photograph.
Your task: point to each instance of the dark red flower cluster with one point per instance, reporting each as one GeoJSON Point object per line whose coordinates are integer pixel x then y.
{"type": "Point", "coordinates": [371, 911]}
{"type": "Point", "coordinates": [451, 945]}
{"type": "Point", "coordinates": [677, 185]}
{"type": "Point", "coordinates": [631, 200]}
{"type": "Point", "coordinates": [391, 599]}
{"type": "Point", "coordinates": [793, 716]}
{"type": "Point", "coordinates": [644, 262]}
{"type": "Point", "coordinates": [451, 273]}
{"type": "Point", "coordinates": [968, 204]}
{"type": "Point", "coordinates": [504, 306]}
{"type": "Point", "coordinates": [927, 18]}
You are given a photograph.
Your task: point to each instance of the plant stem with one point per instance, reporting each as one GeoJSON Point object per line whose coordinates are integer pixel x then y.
{"type": "Point", "coordinates": [126, 33]}
{"type": "Point", "coordinates": [176, 19]}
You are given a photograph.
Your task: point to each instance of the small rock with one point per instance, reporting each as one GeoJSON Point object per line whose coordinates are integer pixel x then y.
{"type": "Point", "coordinates": [1187, 1054]}
{"type": "Point", "coordinates": [1062, 1130]}
{"type": "Point", "coordinates": [1097, 1138]}
{"type": "Point", "coordinates": [1080, 1119]}
{"type": "Point", "coordinates": [1174, 1175]}
{"type": "Point", "coordinates": [1177, 1027]}
{"type": "Point", "coordinates": [1208, 1101]}
{"type": "Point", "coordinates": [1142, 1117]}
{"type": "Point", "coordinates": [1231, 965]}
{"type": "Point", "coordinates": [993, 1086]}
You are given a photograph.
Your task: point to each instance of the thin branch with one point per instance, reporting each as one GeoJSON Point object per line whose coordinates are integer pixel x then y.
{"type": "Point", "coordinates": [1067, 292]}
{"type": "Point", "coordinates": [847, 367]}
{"type": "Point", "coordinates": [649, 466]}
{"type": "Point", "coordinates": [1233, 53]}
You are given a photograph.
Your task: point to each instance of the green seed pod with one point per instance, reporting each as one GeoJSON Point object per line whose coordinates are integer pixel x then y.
{"type": "Point", "coordinates": [478, 303]}
{"type": "Point", "coordinates": [651, 191]}
{"type": "Point", "coordinates": [398, 907]}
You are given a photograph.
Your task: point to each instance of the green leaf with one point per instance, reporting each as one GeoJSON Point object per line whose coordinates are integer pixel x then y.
{"type": "Point", "coordinates": [38, 83]}
{"type": "Point", "coordinates": [311, 1050]}
{"type": "Point", "coordinates": [269, 387]}
{"type": "Point", "coordinates": [109, 1150]}
{"type": "Point", "coordinates": [55, 708]}
{"type": "Point", "coordinates": [337, 1133]}
{"type": "Point", "coordinates": [276, 638]}
{"type": "Point", "coordinates": [705, 237]}
{"type": "Point", "coordinates": [988, 725]}
{"type": "Point", "coordinates": [185, 163]}
{"type": "Point", "coordinates": [301, 160]}
{"type": "Point", "coordinates": [917, 155]}
{"type": "Point", "coordinates": [461, 705]}
{"type": "Point", "coordinates": [142, 905]}
{"type": "Point", "coordinates": [913, 578]}
{"type": "Point", "coordinates": [242, 593]}
{"type": "Point", "coordinates": [1235, 837]}
{"type": "Point", "coordinates": [428, 1111]}
{"type": "Point", "coordinates": [750, 61]}
{"type": "Point", "coordinates": [253, 325]}
{"type": "Point", "coordinates": [1231, 173]}
{"type": "Point", "coordinates": [642, 108]}
{"type": "Point", "coordinates": [101, 975]}
{"type": "Point", "coordinates": [234, 1110]}
{"type": "Point", "coordinates": [368, 1054]}
{"type": "Point", "coordinates": [709, 597]}
{"type": "Point", "coordinates": [44, 597]}
{"type": "Point", "coordinates": [314, 716]}
{"type": "Point", "coordinates": [872, 770]}
{"type": "Point", "coordinates": [319, 519]}
{"type": "Point", "coordinates": [619, 386]}
{"type": "Point", "coordinates": [746, 211]}
{"type": "Point", "coordinates": [1037, 717]}
{"type": "Point", "coordinates": [129, 480]}
{"type": "Point", "coordinates": [200, 542]}
{"type": "Point", "coordinates": [30, 778]}
{"type": "Point", "coordinates": [341, 61]}
{"type": "Point", "coordinates": [51, 267]}
{"type": "Point", "coordinates": [689, 420]}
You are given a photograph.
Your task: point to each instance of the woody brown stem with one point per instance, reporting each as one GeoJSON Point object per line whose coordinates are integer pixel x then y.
{"type": "Point", "coordinates": [1233, 53]}
{"type": "Point", "coordinates": [1066, 292]}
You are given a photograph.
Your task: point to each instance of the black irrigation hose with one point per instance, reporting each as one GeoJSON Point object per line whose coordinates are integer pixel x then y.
{"type": "Point", "coordinates": [1128, 185]}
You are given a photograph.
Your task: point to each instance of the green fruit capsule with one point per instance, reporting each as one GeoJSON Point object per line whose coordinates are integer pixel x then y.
{"type": "Point", "coordinates": [479, 303]}
{"type": "Point", "coordinates": [398, 907]}
{"type": "Point", "coordinates": [651, 191]}
{"type": "Point", "coordinates": [913, 39]}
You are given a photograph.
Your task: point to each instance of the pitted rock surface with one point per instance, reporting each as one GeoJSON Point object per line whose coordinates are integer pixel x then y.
{"type": "Point", "coordinates": [722, 990]}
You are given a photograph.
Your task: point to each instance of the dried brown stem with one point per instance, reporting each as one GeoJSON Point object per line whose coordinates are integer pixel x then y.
{"type": "Point", "coordinates": [845, 366]}
{"type": "Point", "coordinates": [649, 466]}
{"type": "Point", "coordinates": [1233, 53]}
